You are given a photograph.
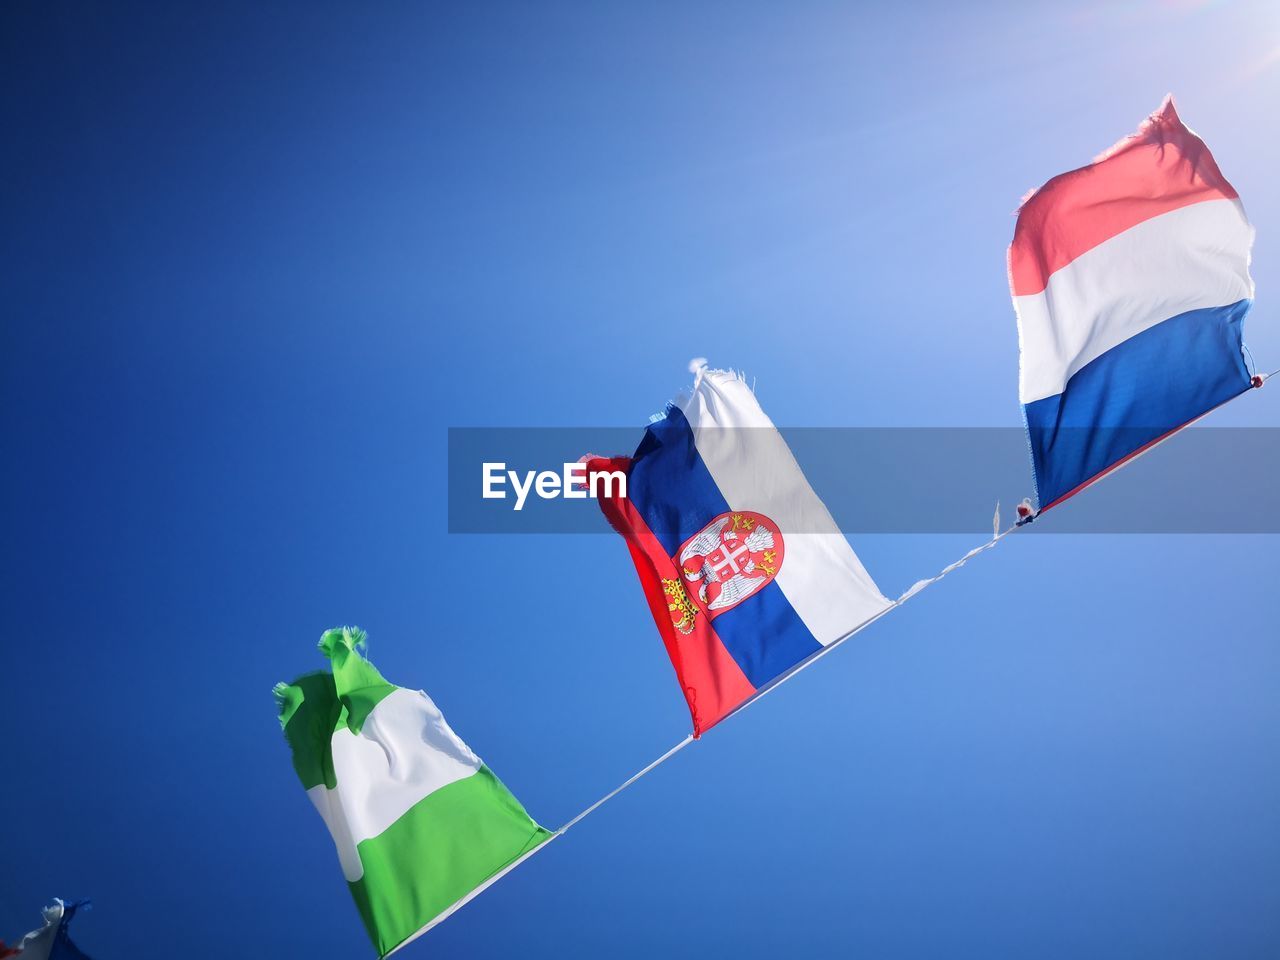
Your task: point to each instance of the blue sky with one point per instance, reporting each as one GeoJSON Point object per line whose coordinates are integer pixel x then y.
{"type": "Point", "coordinates": [258, 261]}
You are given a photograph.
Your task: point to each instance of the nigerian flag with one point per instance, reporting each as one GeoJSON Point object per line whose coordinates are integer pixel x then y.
{"type": "Point", "coordinates": [420, 823]}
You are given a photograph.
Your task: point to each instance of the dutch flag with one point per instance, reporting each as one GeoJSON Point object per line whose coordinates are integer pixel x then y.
{"type": "Point", "coordinates": [1130, 278]}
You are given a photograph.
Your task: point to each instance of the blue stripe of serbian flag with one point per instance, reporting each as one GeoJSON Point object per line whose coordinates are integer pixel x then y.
{"type": "Point", "coordinates": [420, 824]}
{"type": "Point", "coordinates": [1130, 278]}
{"type": "Point", "coordinates": [744, 570]}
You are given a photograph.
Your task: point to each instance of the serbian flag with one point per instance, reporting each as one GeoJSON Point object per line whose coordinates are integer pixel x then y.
{"type": "Point", "coordinates": [1130, 278]}
{"type": "Point", "coordinates": [745, 571]}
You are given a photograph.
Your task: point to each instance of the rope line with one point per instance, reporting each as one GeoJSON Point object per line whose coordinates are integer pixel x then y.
{"type": "Point", "coordinates": [778, 681]}
{"type": "Point", "coordinates": [911, 592]}
{"type": "Point", "coordinates": [626, 783]}
{"type": "Point", "coordinates": [782, 678]}
{"type": "Point", "coordinates": [803, 665]}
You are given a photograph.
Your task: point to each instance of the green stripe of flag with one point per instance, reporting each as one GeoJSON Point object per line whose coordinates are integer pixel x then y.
{"type": "Point", "coordinates": [309, 713]}
{"type": "Point", "coordinates": [451, 842]}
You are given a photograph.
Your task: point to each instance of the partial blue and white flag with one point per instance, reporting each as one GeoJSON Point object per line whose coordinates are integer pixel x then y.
{"type": "Point", "coordinates": [51, 941]}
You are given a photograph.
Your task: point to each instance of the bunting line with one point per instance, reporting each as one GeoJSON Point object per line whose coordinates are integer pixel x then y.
{"type": "Point", "coordinates": [914, 590]}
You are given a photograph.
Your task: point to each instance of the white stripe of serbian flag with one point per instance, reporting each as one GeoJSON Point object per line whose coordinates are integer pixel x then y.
{"type": "Point", "coordinates": [420, 823]}
{"type": "Point", "coordinates": [744, 569]}
{"type": "Point", "coordinates": [1130, 278]}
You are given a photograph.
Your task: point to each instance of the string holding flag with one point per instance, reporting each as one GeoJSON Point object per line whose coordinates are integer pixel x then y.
{"type": "Point", "coordinates": [1130, 282]}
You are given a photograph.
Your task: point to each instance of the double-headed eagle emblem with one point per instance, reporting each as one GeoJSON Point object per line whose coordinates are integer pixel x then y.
{"type": "Point", "coordinates": [730, 559]}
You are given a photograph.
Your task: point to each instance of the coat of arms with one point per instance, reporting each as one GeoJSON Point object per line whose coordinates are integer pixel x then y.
{"type": "Point", "coordinates": [730, 559]}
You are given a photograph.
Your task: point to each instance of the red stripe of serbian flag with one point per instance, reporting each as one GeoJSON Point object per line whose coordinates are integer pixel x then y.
{"type": "Point", "coordinates": [421, 825]}
{"type": "Point", "coordinates": [744, 570]}
{"type": "Point", "coordinates": [1130, 278]}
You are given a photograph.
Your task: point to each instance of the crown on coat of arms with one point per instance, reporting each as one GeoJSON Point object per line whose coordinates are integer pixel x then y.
{"type": "Point", "coordinates": [683, 610]}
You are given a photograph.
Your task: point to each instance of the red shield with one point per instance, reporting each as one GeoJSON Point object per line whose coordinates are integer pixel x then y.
{"type": "Point", "coordinates": [730, 559]}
